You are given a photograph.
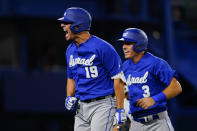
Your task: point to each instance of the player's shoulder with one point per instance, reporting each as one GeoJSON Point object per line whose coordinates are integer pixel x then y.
{"type": "Point", "coordinates": [154, 58]}
{"type": "Point", "coordinates": [100, 42]}
{"type": "Point", "coordinates": [158, 60]}
{"type": "Point", "coordinates": [125, 64]}
{"type": "Point", "coordinates": [70, 47]}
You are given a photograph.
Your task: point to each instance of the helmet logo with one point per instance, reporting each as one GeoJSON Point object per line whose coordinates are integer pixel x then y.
{"type": "Point", "coordinates": [125, 34]}
{"type": "Point", "coordinates": [65, 14]}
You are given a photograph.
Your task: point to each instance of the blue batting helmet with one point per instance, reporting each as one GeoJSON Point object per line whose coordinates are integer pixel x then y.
{"type": "Point", "coordinates": [137, 36]}
{"type": "Point", "coordinates": [77, 17]}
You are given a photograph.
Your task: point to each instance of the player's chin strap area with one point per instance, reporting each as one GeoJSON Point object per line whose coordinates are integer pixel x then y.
{"type": "Point", "coordinates": [119, 76]}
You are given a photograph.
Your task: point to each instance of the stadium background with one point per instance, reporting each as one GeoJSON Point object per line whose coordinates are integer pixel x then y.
{"type": "Point", "coordinates": [32, 55]}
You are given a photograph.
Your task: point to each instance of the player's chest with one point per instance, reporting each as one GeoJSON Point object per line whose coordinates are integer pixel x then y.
{"type": "Point", "coordinates": [138, 74]}
{"type": "Point", "coordinates": [136, 77]}
{"type": "Point", "coordinates": [81, 61]}
{"type": "Point", "coordinates": [82, 57]}
{"type": "Point", "coordinates": [139, 83]}
{"type": "Point", "coordinates": [84, 64]}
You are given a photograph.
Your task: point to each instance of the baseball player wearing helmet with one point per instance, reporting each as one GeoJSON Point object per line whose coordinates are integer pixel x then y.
{"type": "Point", "coordinates": [151, 81]}
{"type": "Point", "coordinates": [94, 75]}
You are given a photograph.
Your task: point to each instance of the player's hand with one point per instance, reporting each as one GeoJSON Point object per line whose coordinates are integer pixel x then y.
{"type": "Point", "coordinates": [145, 102]}
{"type": "Point", "coordinates": [70, 102]}
{"type": "Point", "coordinates": [120, 116]}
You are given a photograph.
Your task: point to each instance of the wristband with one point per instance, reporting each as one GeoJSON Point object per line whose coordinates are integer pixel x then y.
{"type": "Point", "coordinates": [119, 109]}
{"type": "Point", "coordinates": [159, 98]}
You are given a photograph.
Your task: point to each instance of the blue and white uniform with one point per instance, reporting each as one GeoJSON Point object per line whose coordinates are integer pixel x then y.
{"type": "Point", "coordinates": [91, 65]}
{"type": "Point", "coordinates": [148, 77]}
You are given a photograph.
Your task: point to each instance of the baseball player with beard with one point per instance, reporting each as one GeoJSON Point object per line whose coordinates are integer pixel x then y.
{"type": "Point", "coordinates": [151, 81]}
{"type": "Point", "coordinates": [93, 75]}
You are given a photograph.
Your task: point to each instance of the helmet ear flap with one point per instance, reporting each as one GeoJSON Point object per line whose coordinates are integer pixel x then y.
{"type": "Point", "coordinates": [74, 28]}
{"type": "Point", "coordinates": [139, 48]}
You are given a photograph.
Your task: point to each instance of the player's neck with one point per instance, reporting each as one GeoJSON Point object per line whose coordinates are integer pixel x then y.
{"type": "Point", "coordinates": [138, 57]}
{"type": "Point", "coordinates": [82, 37]}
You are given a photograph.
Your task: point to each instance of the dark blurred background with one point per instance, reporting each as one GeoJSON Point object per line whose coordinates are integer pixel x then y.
{"type": "Point", "coordinates": [32, 55]}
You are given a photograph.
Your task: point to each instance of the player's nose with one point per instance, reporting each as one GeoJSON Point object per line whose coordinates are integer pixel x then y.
{"type": "Point", "coordinates": [62, 25]}
{"type": "Point", "coordinates": [124, 46]}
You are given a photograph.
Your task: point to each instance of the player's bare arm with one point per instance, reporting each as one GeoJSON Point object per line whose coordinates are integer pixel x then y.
{"type": "Point", "coordinates": [171, 91]}
{"type": "Point", "coordinates": [70, 87]}
{"type": "Point", "coordinates": [119, 92]}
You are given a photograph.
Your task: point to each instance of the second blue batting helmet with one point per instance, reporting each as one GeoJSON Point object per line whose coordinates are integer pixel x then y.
{"type": "Point", "coordinates": [137, 36]}
{"type": "Point", "coordinates": [77, 17]}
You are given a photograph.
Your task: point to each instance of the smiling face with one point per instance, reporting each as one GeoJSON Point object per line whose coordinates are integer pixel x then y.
{"type": "Point", "coordinates": [69, 34]}
{"type": "Point", "coordinates": [128, 50]}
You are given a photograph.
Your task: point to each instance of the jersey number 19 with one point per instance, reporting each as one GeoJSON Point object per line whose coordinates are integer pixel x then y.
{"type": "Point", "coordinates": [91, 72]}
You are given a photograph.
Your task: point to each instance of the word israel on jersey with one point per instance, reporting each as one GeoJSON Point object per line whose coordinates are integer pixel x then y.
{"type": "Point", "coordinates": [81, 61]}
{"type": "Point", "coordinates": [137, 80]}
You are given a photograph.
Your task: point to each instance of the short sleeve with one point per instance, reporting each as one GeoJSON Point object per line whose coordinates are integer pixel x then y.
{"type": "Point", "coordinates": [111, 60]}
{"type": "Point", "coordinates": [69, 72]}
{"type": "Point", "coordinates": [164, 72]}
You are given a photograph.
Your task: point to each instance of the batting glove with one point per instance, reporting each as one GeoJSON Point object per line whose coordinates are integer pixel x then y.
{"type": "Point", "coordinates": [120, 116]}
{"type": "Point", "coordinates": [70, 102]}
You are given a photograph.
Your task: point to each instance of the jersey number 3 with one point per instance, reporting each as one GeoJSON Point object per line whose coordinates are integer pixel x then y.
{"type": "Point", "coordinates": [146, 90]}
{"type": "Point", "coordinates": [91, 72]}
